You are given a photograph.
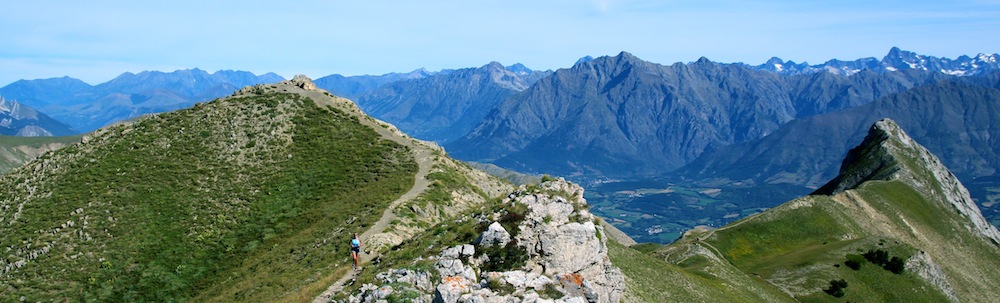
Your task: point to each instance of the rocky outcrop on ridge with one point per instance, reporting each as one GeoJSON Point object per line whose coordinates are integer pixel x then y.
{"type": "Point", "coordinates": [562, 249]}
{"type": "Point", "coordinates": [881, 157]}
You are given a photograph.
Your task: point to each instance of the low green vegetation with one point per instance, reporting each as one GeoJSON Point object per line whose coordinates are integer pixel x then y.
{"type": "Point", "coordinates": [413, 253]}
{"type": "Point", "coordinates": [444, 181]}
{"type": "Point", "coordinates": [881, 258]}
{"type": "Point", "coordinates": [836, 288]}
{"type": "Point", "coordinates": [503, 258]}
{"type": "Point", "coordinates": [872, 284]}
{"type": "Point", "coordinates": [751, 243]}
{"type": "Point", "coordinates": [241, 199]}
{"type": "Point", "coordinates": [651, 279]}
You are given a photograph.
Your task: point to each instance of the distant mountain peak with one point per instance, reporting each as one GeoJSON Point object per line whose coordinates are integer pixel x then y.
{"type": "Point", "coordinates": [520, 69]}
{"type": "Point", "coordinates": [584, 60]}
{"type": "Point", "coordinates": [896, 59]}
{"type": "Point", "coordinates": [989, 58]}
{"type": "Point", "coordinates": [887, 154]}
{"type": "Point", "coordinates": [894, 51]}
{"type": "Point", "coordinates": [494, 65]}
{"type": "Point", "coordinates": [626, 55]}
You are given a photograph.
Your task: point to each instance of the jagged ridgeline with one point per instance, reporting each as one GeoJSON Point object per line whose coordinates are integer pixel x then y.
{"type": "Point", "coordinates": [895, 226]}
{"type": "Point", "coordinates": [245, 198]}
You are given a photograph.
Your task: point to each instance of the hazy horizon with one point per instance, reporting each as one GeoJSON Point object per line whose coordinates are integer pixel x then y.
{"type": "Point", "coordinates": [96, 41]}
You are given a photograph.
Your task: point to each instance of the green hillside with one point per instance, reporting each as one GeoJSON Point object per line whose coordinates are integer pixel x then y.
{"type": "Point", "coordinates": [247, 198]}
{"type": "Point", "coordinates": [896, 226]}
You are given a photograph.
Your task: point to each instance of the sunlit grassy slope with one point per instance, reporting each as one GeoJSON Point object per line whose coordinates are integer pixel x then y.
{"type": "Point", "coordinates": [893, 198]}
{"type": "Point", "coordinates": [247, 198]}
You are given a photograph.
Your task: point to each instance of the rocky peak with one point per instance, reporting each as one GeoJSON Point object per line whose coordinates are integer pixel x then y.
{"type": "Point", "coordinates": [298, 84]}
{"type": "Point", "coordinates": [493, 65]}
{"type": "Point", "coordinates": [520, 69]}
{"type": "Point", "coordinates": [303, 82]}
{"type": "Point", "coordinates": [626, 56]}
{"type": "Point", "coordinates": [888, 153]}
{"type": "Point", "coordinates": [584, 59]}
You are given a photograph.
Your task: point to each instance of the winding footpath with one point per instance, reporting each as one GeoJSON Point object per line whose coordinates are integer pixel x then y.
{"type": "Point", "coordinates": [422, 153]}
{"type": "Point", "coordinates": [701, 242]}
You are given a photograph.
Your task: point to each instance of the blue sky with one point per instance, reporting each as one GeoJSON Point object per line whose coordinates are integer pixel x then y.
{"type": "Point", "coordinates": [97, 40]}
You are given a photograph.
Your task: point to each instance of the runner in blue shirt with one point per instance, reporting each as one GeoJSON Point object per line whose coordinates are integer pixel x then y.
{"type": "Point", "coordinates": [355, 249]}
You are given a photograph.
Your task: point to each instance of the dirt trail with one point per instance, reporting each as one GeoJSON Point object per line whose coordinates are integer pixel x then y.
{"type": "Point", "coordinates": [422, 153]}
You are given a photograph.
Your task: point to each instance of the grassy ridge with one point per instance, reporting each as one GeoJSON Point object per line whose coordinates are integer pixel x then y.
{"type": "Point", "coordinates": [651, 279]}
{"type": "Point", "coordinates": [750, 243]}
{"type": "Point", "coordinates": [803, 245]}
{"type": "Point", "coordinates": [244, 198]}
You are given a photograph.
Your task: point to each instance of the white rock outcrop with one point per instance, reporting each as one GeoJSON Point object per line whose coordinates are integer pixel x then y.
{"type": "Point", "coordinates": [566, 253]}
{"type": "Point", "coordinates": [495, 234]}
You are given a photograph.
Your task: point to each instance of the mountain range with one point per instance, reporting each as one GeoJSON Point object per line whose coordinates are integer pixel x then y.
{"type": "Point", "coordinates": [352, 87]}
{"type": "Point", "coordinates": [253, 197]}
{"type": "Point", "coordinates": [17, 119]}
{"type": "Point", "coordinates": [86, 107]}
{"type": "Point", "coordinates": [620, 117]}
{"type": "Point", "coordinates": [896, 59]}
{"type": "Point", "coordinates": [623, 117]}
{"type": "Point", "coordinates": [954, 118]}
{"type": "Point", "coordinates": [444, 106]}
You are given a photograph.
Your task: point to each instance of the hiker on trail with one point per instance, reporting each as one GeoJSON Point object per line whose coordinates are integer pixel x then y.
{"type": "Point", "coordinates": [356, 249]}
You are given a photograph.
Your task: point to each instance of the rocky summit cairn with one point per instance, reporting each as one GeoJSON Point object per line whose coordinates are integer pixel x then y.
{"type": "Point", "coordinates": [561, 249]}
{"type": "Point", "coordinates": [303, 82]}
{"type": "Point", "coordinates": [299, 83]}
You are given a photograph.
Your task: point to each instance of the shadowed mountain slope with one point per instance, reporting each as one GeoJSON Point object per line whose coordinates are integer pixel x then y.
{"type": "Point", "coordinates": [953, 118]}
{"type": "Point", "coordinates": [352, 87]}
{"type": "Point", "coordinates": [624, 117]}
{"type": "Point", "coordinates": [445, 106]}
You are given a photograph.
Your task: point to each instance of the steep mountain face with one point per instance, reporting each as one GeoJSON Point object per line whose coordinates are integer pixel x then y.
{"type": "Point", "coordinates": [445, 106]}
{"type": "Point", "coordinates": [621, 114]}
{"type": "Point", "coordinates": [624, 117]}
{"type": "Point", "coordinates": [252, 197]}
{"type": "Point", "coordinates": [352, 87]}
{"type": "Point", "coordinates": [895, 60]}
{"type": "Point", "coordinates": [953, 118]}
{"type": "Point", "coordinates": [19, 120]}
{"type": "Point", "coordinates": [129, 95]}
{"type": "Point", "coordinates": [894, 226]}
{"type": "Point", "coordinates": [819, 93]}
